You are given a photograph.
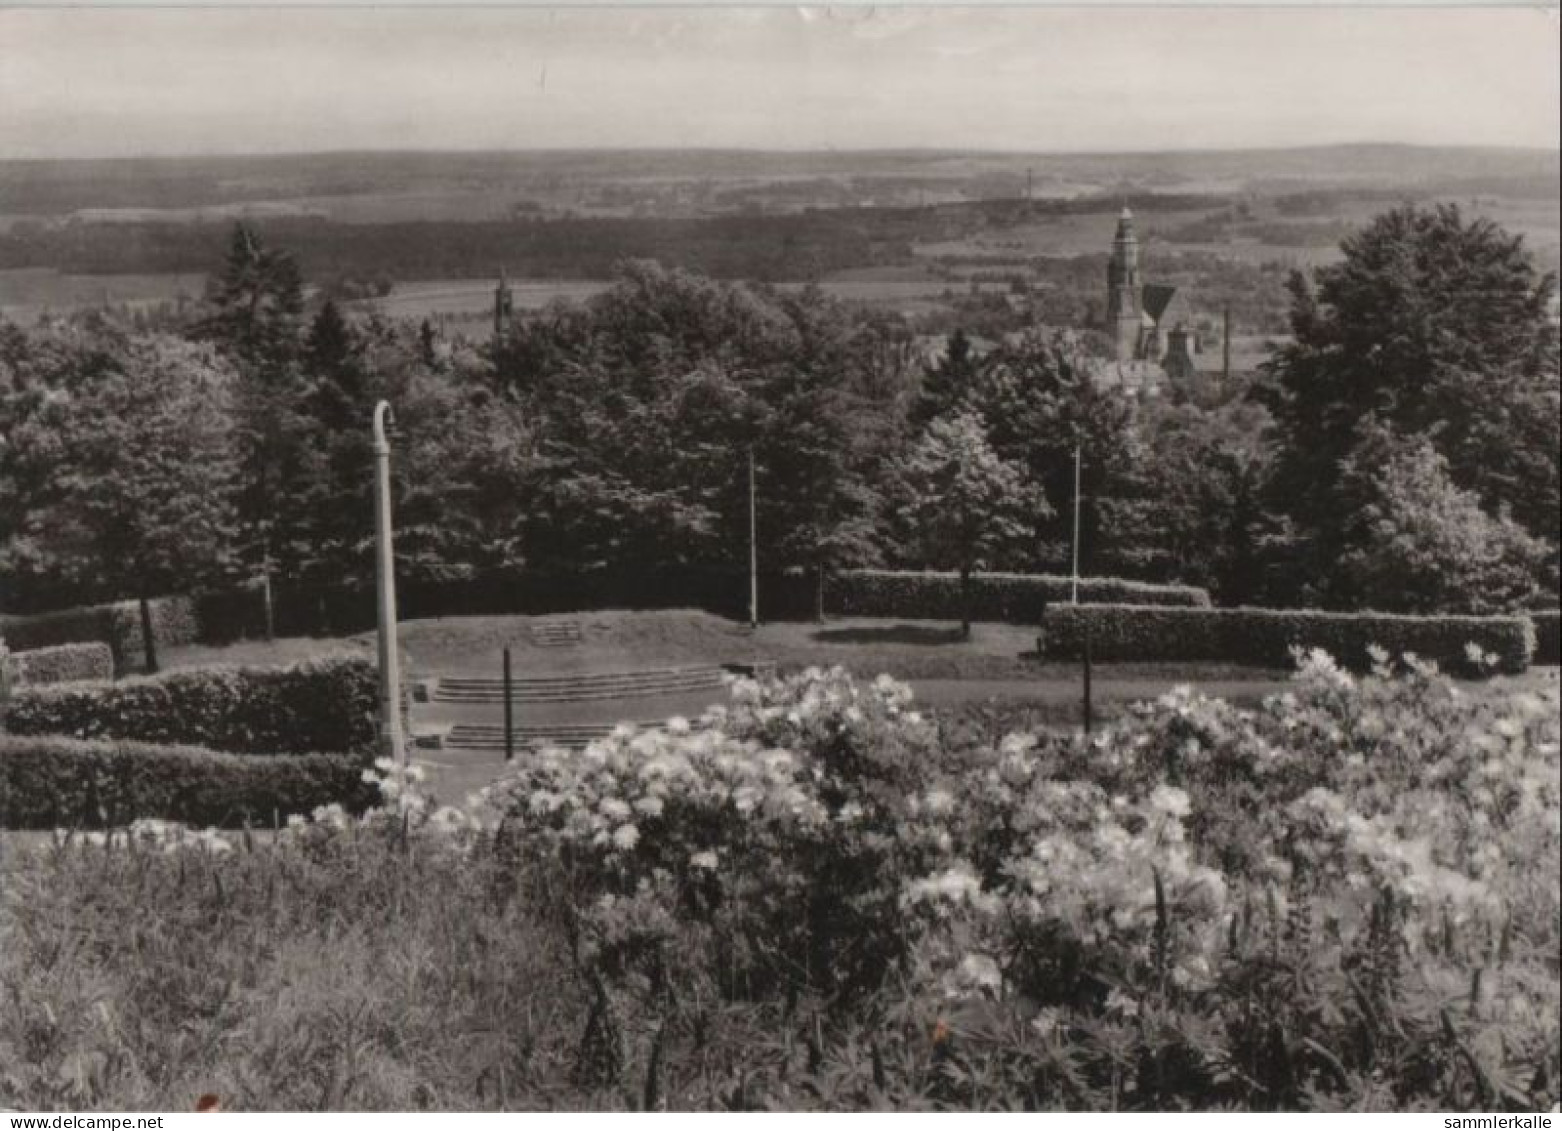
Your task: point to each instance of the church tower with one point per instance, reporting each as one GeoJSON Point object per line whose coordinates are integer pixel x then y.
{"type": "Point", "coordinates": [504, 306]}
{"type": "Point", "coordinates": [1123, 312]}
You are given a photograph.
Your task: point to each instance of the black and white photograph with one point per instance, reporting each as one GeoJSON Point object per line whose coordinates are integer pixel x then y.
{"type": "Point", "coordinates": [741, 559]}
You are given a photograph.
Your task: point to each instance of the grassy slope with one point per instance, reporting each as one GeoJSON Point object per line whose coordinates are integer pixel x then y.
{"type": "Point", "coordinates": [631, 641]}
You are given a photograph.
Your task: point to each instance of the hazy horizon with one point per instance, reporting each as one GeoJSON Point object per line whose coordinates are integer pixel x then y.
{"type": "Point", "coordinates": [100, 83]}
{"type": "Point", "coordinates": [930, 150]}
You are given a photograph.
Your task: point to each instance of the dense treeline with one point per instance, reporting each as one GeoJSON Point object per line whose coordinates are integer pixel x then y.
{"type": "Point", "coordinates": [797, 246]}
{"type": "Point", "coordinates": [774, 247]}
{"type": "Point", "coordinates": [1401, 454]}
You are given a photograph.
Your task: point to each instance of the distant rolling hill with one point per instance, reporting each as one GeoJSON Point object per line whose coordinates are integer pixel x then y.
{"type": "Point", "coordinates": [687, 182]}
{"type": "Point", "coordinates": [943, 235]}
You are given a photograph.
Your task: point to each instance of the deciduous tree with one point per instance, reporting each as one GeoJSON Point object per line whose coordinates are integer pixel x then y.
{"type": "Point", "coordinates": [1420, 544]}
{"type": "Point", "coordinates": [146, 472]}
{"type": "Point", "coordinates": [1432, 325]}
{"type": "Point", "coordinates": [966, 507]}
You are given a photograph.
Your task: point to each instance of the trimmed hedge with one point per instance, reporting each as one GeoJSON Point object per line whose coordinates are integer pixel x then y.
{"type": "Point", "coordinates": [326, 705]}
{"type": "Point", "coordinates": [1013, 598]}
{"type": "Point", "coordinates": [174, 622]}
{"type": "Point", "coordinates": [62, 663]}
{"type": "Point", "coordinates": [225, 615]}
{"type": "Point", "coordinates": [722, 590]}
{"type": "Point", "coordinates": [1548, 635]}
{"type": "Point", "coordinates": [1264, 637]}
{"type": "Point", "coordinates": [49, 782]}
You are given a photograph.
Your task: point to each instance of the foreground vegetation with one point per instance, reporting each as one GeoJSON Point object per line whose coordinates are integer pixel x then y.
{"type": "Point", "coordinates": [1345, 898]}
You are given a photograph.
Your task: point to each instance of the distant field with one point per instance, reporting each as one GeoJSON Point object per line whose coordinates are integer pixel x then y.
{"type": "Point", "coordinates": [1538, 221]}
{"type": "Point", "coordinates": [1062, 236]}
{"type": "Point", "coordinates": [29, 292]}
{"type": "Point", "coordinates": [467, 304]}
{"type": "Point", "coordinates": [905, 288]}
{"type": "Point", "coordinates": [1307, 239]}
{"type": "Point", "coordinates": [423, 297]}
{"type": "Point", "coordinates": [462, 304]}
{"type": "Point", "coordinates": [1066, 236]}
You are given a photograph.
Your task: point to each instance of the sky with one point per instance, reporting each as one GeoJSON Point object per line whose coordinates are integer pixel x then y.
{"type": "Point", "coordinates": [77, 82]}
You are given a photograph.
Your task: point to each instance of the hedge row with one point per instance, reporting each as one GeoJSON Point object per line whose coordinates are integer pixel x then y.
{"type": "Point", "coordinates": [1264, 637]}
{"type": "Point", "coordinates": [49, 782]}
{"type": "Point", "coordinates": [1014, 598]}
{"type": "Point", "coordinates": [341, 610]}
{"type": "Point", "coordinates": [325, 705]}
{"type": "Point", "coordinates": [174, 622]}
{"type": "Point", "coordinates": [62, 663]}
{"type": "Point", "coordinates": [1548, 635]}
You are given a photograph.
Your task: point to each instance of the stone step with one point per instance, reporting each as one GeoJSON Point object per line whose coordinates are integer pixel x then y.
{"type": "Point", "coordinates": [576, 679]}
{"type": "Point", "coordinates": [497, 686]}
{"type": "Point", "coordinates": [604, 694]}
{"type": "Point", "coordinates": [480, 736]}
{"type": "Point", "coordinates": [584, 687]}
{"type": "Point", "coordinates": [555, 635]}
{"type": "Point", "coordinates": [580, 686]}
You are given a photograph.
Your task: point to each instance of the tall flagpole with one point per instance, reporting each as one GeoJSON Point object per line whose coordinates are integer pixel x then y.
{"type": "Point", "coordinates": [1075, 595]}
{"type": "Point", "coordinates": [753, 549]}
{"type": "Point", "coordinates": [392, 742]}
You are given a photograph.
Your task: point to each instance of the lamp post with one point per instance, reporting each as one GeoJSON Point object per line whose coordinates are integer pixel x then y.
{"type": "Point", "coordinates": [392, 742]}
{"type": "Point", "coordinates": [1088, 713]}
{"type": "Point", "coordinates": [1075, 572]}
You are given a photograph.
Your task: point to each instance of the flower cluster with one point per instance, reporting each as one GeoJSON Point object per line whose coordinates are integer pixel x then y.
{"type": "Point", "coordinates": [668, 797]}
{"type": "Point", "coordinates": [1128, 855]}
{"type": "Point", "coordinates": [152, 833]}
{"type": "Point", "coordinates": [781, 821]}
{"type": "Point", "coordinates": [1098, 875]}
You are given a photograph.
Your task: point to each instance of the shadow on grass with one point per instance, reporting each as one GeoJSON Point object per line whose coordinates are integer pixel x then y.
{"type": "Point", "coordinates": [890, 634]}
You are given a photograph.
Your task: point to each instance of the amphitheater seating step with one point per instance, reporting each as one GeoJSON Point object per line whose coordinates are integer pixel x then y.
{"type": "Point", "coordinates": [578, 688]}
{"type": "Point", "coordinates": [556, 634]}
{"type": "Point", "coordinates": [490, 736]}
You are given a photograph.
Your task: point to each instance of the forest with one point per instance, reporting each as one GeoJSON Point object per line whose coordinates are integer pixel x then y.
{"type": "Point", "coordinates": [1400, 452]}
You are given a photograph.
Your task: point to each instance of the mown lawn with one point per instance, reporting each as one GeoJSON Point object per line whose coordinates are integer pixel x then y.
{"type": "Point", "coordinates": [628, 641]}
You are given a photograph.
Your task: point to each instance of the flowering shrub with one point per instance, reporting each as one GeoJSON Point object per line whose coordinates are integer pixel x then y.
{"type": "Point", "coordinates": [1345, 897]}
{"type": "Point", "coordinates": [1355, 851]}
{"type": "Point", "coordinates": [781, 826]}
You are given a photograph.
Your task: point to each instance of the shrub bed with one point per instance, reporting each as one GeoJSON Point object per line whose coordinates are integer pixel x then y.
{"type": "Point", "coordinates": [174, 622]}
{"type": "Point", "coordinates": [327, 705]}
{"type": "Point", "coordinates": [1343, 899]}
{"type": "Point", "coordinates": [1548, 635]}
{"type": "Point", "coordinates": [1012, 598]}
{"type": "Point", "coordinates": [62, 663]}
{"type": "Point", "coordinates": [1265, 637]}
{"type": "Point", "coordinates": [49, 781]}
